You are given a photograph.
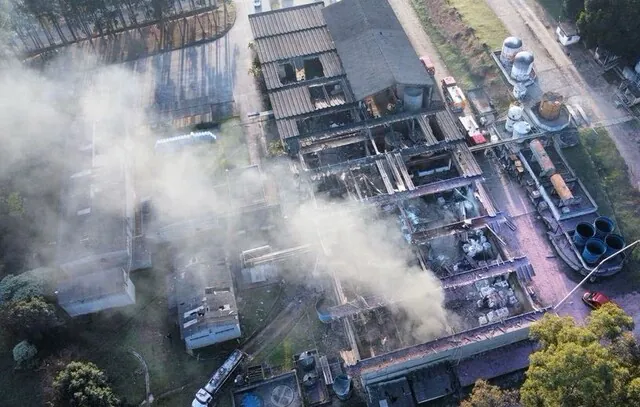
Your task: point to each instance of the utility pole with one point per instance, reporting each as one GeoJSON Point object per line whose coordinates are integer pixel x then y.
{"type": "Point", "coordinates": [555, 308]}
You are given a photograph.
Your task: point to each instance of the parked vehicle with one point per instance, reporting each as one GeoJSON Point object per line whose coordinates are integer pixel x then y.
{"type": "Point", "coordinates": [469, 126]}
{"type": "Point", "coordinates": [204, 396]}
{"type": "Point", "coordinates": [428, 65]}
{"type": "Point", "coordinates": [453, 95]}
{"type": "Point", "coordinates": [595, 299]}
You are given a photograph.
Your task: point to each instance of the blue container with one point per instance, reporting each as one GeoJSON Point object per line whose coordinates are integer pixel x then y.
{"type": "Point", "coordinates": [342, 386]}
{"type": "Point", "coordinates": [604, 226]}
{"type": "Point", "coordinates": [614, 243]}
{"type": "Point", "coordinates": [593, 251]}
{"type": "Point", "coordinates": [584, 231]}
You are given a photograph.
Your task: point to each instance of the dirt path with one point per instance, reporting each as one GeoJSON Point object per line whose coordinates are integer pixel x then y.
{"type": "Point", "coordinates": [557, 72]}
{"type": "Point", "coordinates": [419, 39]}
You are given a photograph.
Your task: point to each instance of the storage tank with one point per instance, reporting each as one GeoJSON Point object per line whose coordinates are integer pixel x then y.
{"type": "Point", "coordinates": [550, 105]}
{"type": "Point", "coordinates": [342, 386]}
{"type": "Point", "coordinates": [514, 114]}
{"type": "Point", "coordinates": [510, 47]}
{"type": "Point", "coordinates": [614, 243]}
{"type": "Point", "coordinates": [309, 379]}
{"type": "Point", "coordinates": [637, 69]}
{"type": "Point", "coordinates": [522, 66]}
{"type": "Point", "coordinates": [519, 91]}
{"type": "Point", "coordinates": [521, 129]}
{"type": "Point", "coordinates": [542, 158]}
{"type": "Point", "coordinates": [604, 226]}
{"type": "Point", "coordinates": [413, 99]}
{"type": "Point", "coordinates": [584, 231]}
{"type": "Point", "coordinates": [593, 251]}
{"type": "Point", "coordinates": [561, 188]}
{"type": "Point", "coordinates": [307, 361]}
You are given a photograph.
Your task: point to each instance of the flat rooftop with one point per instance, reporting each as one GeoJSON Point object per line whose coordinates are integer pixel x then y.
{"type": "Point", "coordinates": [96, 200]}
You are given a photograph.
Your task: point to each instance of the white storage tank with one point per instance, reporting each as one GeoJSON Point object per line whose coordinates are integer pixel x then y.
{"type": "Point", "coordinates": [522, 66]}
{"type": "Point", "coordinates": [413, 99]}
{"type": "Point", "coordinates": [521, 129]}
{"type": "Point", "coordinates": [519, 91]}
{"type": "Point", "coordinates": [514, 115]}
{"type": "Point", "coordinates": [510, 47]}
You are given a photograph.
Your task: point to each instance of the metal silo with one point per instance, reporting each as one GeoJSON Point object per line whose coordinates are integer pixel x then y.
{"type": "Point", "coordinates": [522, 66]}
{"type": "Point", "coordinates": [514, 115]}
{"type": "Point", "coordinates": [510, 47]}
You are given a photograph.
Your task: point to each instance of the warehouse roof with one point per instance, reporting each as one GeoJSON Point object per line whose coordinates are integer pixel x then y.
{"type": "Point", "coordinates": [289, 20]}
{"type": "Point", "coordinates": [375, 51]}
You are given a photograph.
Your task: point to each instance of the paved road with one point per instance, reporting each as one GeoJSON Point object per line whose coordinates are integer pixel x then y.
{"type": "Point", "coordinates": [558, 72]}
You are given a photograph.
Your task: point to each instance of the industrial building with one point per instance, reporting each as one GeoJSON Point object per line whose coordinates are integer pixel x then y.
{"type": "Point", "coordinates": [205, 297]}
{"type": "Point", "coordinates": [98, 229]}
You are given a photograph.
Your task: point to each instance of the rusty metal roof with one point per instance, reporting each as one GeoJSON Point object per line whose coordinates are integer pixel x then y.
{"type": "Point", "coordinates": [297, 100]}
{"type": "Point", "coordinates": [330, 65]}
{"type": "Point", "coordinates": [289, 20]}
{"type": "Point", "coordinates": [294, 44]}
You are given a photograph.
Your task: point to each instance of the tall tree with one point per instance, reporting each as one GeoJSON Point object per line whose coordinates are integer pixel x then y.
{"type": "Point", "coordinates": [486, 395]}
{"type": "Point", "coordinates": [586, 366]}
{"type": "Point", "coordinates": [612, 25]}
{"type": "Point", "coordinates": [572, 9]}
{"type": "Point", "coordinates": [30, 318]}
{"type": "Point", "coordinates": [83, 384]}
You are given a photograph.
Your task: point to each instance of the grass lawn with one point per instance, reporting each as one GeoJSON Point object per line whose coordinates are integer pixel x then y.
{"type": "Point", "coordinates": [451, 56]}
{"type": "Point", "coordinates": [613, 181]}
{"type": "Point", "coordinates": [478, 15]}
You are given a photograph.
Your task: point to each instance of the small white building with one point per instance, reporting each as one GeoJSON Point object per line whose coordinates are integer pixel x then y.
{"type": "Point", "coordinates": [567, 34]}
{"type": "Point", "coordinates": [206, 302]}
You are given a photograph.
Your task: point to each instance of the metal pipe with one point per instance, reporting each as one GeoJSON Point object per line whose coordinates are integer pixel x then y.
{"type": "Point", "coordinates": [555, 308]}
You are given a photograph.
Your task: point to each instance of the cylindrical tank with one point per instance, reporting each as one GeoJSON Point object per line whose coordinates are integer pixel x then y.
{"type": "Point", "coordinates": [321, 309]}
{"type": "Point", "coordinates": [584, 231]}
{"type": "Point", "coordinates": [550, 105]}
{"type": "Point", "coordinates": [307, 361]}
{"type": "Point", "coordinates": [342, 386]}
{"type": "Point", "coordinates": [614, 244]}
{"type": "Point", "coordinates": [604, 226]}
{"type": "Point", "coordinates": [542, 158]}
{"type": "Point", "coordinates": [561, 188]}
{"type": "Point", "coordinates": [522, 66]}
{"type": "Point", "coordinates": [637, 69]}
{"type": "Point", "coordinates": [593, 250]}
{"type": "Point", "coordinates": [519, 91]}
{"type": "Point", "coordinates": [514, 114]}
{"type": "Point", "coordinates": [413, 99]}
{"type": "Point", "coordinates": [521, 129]}
{"type": "Point", "coordinates": [510, 47]}
{"type": "Point", "coordinates": [309, 379]}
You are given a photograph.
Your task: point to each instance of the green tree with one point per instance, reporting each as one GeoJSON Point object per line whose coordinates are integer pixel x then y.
{"type": "Point", "coordinates": [591, 365]}
{"type": "Point", "coordinates": [612, 25]}
{"type": "Point", "coordinates": [24, 354]}
{"type": "Point", "coordinates": [20, 287]}
{"type": "Point", "coordinates": [30, 318]}
{"type": "Point", "coordinates": [83, 384]}
{"type": "Point", "coordinates": [486, 395]}
{"type": "Point", "coordinates": [572, 9]}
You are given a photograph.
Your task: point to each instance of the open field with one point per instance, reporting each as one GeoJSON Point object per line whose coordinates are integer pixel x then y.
{"type": "Point", "coordinates": [486, 25]}
{"type": "Point", "coordinates": [463, 41]}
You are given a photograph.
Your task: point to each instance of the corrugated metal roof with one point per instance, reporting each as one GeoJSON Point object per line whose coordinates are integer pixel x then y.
{"type": "Point", "coordinates": [330, 65]}
{"type": "Point", "coordinates": [375, 50]}
{"type": "Point", "coordinates": [297, 100]}
{"type": "Point", "coordinates": [289, 20]}
{"type": "Point", "coordinates": [299, 43]}
{"type": "Point", "coordinates": [287, 128]}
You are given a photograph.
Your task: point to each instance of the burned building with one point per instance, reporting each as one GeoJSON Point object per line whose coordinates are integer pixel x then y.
{"type": "Point", "coordinates": [205, 297]}
{"type": "Point", "coordinates": [97, 228]}
{"type": "Point", "coordinates": [334, 73]}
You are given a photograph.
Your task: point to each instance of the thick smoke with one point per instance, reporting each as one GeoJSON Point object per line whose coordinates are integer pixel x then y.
{"type": "Point", "coordinates": [43, 114]}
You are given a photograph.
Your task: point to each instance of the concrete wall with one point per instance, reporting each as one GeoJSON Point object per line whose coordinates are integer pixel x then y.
{"type": "Point", "coordinates": [213, 335]}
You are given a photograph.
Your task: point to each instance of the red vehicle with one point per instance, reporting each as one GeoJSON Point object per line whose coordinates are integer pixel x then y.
{"type": "Point", "coordinates": [595, 299]}
{"type": "Point", "coordinates": [428, 65]}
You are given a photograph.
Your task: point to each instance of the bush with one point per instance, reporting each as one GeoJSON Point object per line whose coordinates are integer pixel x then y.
{"type": "Point", "coordinates": [24, 354]}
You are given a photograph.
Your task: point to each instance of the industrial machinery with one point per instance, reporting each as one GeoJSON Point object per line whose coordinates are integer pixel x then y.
{"type": "Point", "coordinates": [468, 125]}
{"type": "Point", "coordinates": [453, 95]}
{"type": "Point", "coordinates": [549, 108]}
{"type": "Point", "coordinates": [546, 165]}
